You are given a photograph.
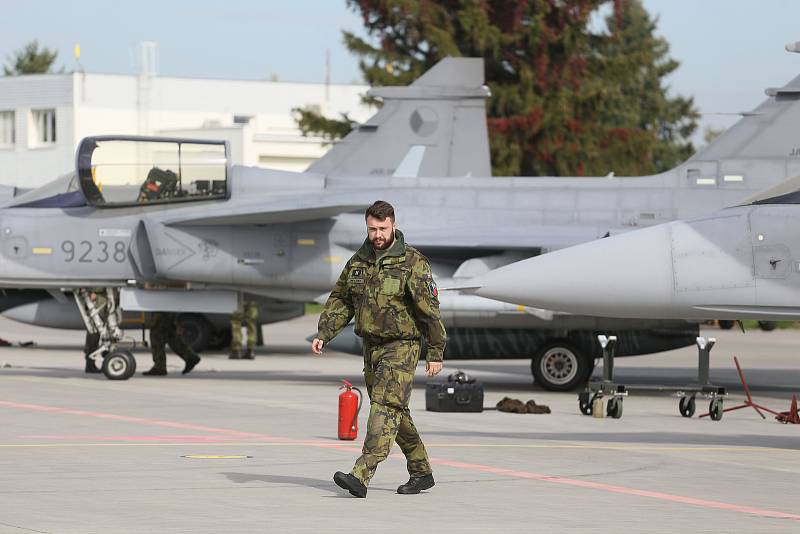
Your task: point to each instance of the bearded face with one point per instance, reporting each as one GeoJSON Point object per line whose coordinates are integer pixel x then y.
{"type": "Point", "coordinates": [380, 233]}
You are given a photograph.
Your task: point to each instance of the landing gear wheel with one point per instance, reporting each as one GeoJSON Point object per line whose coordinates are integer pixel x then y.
{"type": "Point", "coordinates": [767, 326]}
{"type": "Point", "coordinates": [585, 402]}
{"type": "Point", "coordinates": [221, 340]}
{"type": "Point", "coordinates": [715, 409]}
{"type": "Point", "coordinates": [119, 365]}
{"type": "Point", "coordinates": [559, 366]}
{"type": "Point", "coordinates": [195, 331]}
{"type": "Point", "coordinates": [687, 406]}
{"type": "Point", "coordinates": [614, 408]}
{"type": "Point", "coordinates": [725, 324]}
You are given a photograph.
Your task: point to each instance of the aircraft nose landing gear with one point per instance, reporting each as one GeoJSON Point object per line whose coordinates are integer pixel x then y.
{"type": "Point", "coordinates": [116, 363]}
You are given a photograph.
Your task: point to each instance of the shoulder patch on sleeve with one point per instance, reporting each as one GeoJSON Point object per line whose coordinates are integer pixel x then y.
{"type": "Point", "coordinates": [433, 289]}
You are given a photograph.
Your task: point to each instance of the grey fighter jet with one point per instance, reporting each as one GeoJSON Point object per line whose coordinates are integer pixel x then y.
{"type": "Point", "coordinates": [738, 263]}
{"type": "Point", "coordinates": [163, 217]}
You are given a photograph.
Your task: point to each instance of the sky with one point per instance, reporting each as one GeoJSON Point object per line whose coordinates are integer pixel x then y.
{"type": "Point", "coordinates": [729, 50]}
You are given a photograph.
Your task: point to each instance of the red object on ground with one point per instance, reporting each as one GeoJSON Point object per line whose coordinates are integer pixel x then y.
{"type": "Point", "coordinates": [349, 406]}
{"type": "Point", "coordinates": [748, 402]}
{"type": "Point", "coordinates": [792, 416]}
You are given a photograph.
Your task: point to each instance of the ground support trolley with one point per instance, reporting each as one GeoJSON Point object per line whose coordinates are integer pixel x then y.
{"type": "Point", "coordinates": [590, 400]}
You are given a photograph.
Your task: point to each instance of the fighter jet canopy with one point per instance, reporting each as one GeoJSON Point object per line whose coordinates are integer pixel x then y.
{"type": "Point", "coordinates": [126, 170]}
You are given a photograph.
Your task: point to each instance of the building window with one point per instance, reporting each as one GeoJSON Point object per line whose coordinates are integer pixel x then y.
{"type": "Point", "coordinates": [44, 126]}
{"type": "Point", "coordinates": [7, 130]}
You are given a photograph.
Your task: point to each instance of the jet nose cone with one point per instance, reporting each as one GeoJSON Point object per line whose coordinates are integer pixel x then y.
{"type": "Point", "coordinates": [628, 275]}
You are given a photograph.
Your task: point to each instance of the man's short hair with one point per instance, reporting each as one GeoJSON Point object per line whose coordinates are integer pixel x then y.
{"type": "Point", "coordinates": [381, 210]}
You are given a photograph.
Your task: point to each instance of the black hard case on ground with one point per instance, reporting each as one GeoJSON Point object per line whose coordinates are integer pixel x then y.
{"type": "Point", "coordinates": [454, 397]}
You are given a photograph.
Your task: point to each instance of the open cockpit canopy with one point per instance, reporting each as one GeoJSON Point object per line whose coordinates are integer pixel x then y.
{"type": "Point", "coordinates": [126, 170]}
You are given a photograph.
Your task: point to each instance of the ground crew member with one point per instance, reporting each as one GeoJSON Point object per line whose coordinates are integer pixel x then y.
{"type": "Point", "coordinates": [163, 331]}
{"type": "Point", "coordinates": [388, 286]}
{"type": "Point", "coordinates": [247, 312]}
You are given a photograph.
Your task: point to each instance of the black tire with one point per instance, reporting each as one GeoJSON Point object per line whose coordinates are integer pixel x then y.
{"type": "Point", "coordinates": [119, 365]}
{"type": "Point", "coordinates": [767, 326]}
{"type": "Point", "coordinates": [715, 409]}
{"type": "Point", "coordinates": [559, 366]}
{"type": "Point", "coordinates": [687, 406]}
{"type": "Point", "coordinates": [614, 408]}
{"type": "Point", "coordinates": [195, 331]}
{"type": "Point", "coordinates": [725, 324]}
{"type": "Point", "coordinates": [221, 339]}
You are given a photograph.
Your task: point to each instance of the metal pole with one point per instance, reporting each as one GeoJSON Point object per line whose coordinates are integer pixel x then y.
{"type": "Point", "coordinates": [608, 343]}
{"type": "Point", "coordinates": [704, 346]}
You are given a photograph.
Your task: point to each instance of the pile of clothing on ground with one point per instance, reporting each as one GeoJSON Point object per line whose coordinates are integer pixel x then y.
{"type": "Point", "coordinates": [517, 406]}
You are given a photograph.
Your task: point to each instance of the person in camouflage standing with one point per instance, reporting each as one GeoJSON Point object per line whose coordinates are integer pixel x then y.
{"type": "Point", "coordinates": [163, 330]}
{"type": "Point", "coordinates": [388, 287]}
{"type": "Point", "coordinates": [247, 312]}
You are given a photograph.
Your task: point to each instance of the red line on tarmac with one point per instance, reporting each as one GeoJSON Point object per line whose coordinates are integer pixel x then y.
{"type": "Point", "coordinates": [130, 419]}
{"type": "Point", "coordinates": [165, 438]}
{"type": "Point", "coordinates": [616, 489]}
{"type": "Point", "coordinates": [436, 461]}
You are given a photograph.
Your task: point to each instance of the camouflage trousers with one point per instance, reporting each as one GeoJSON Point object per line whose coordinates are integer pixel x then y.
{"type": "Point", "coordinates": [163, 331]}
{"type": "Point", "coordinates": [250, 317]}
{"type": "Point", "coordinates": [389, 374]}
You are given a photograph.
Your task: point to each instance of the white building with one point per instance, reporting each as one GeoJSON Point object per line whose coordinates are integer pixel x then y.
{"type": "Point", "coordinates": [43, 117]}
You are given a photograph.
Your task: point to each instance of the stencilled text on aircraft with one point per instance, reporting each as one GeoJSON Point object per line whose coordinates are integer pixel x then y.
{"type": "Point", "coordinates": [91, 252]}
{"type": "Point", "coordinates": [170, 251]}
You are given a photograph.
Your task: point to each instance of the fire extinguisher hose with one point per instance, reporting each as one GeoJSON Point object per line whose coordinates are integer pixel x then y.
{"type": "Point", "coordinates": [358, 410]}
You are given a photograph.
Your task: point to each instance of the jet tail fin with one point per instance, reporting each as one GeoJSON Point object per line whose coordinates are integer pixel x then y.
{"type": "Point", "coordinates": [768, 131]}
{"type": "Point", "coordinates": [434, 127]}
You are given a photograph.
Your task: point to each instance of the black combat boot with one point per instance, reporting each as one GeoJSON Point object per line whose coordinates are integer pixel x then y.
{"type": "Point", "coordinates": [234, 355]}
{"type": "Point", "coordinates": [190, 364]}
{"type": "Point", "coordinates": [416, 484]}
{"type": "Point", "coordinates": [350, 483]}
{"type": "Point", "coordinates": [155, 371]}
{"type": "Point", "coordinates": [91, 367]}
{"type": "Point", "coordinates": [248, 354]}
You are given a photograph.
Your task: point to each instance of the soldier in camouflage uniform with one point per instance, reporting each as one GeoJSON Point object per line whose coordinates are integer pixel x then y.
{"type": "Point", "coordinates": [247, 312]}
{"type": "Point", "coordinates": [389, 289]}
{"type": "Point", "coordinates": [163, 330]}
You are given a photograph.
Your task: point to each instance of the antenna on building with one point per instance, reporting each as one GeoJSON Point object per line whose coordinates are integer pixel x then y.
{"type": "Point", "coordinates": [148, 69]}
{"type": "Point", "coordinates": [76, 52]}
{"type": "Point", "coordinates": [148, 58]}
{"type": "Point", "coordinates": [327, 76]}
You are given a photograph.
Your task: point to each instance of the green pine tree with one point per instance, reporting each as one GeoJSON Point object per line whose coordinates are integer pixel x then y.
{"type": "Point", "coordinates": [30, 60]}
{"type": "Point", "coordinates": [566, 100]}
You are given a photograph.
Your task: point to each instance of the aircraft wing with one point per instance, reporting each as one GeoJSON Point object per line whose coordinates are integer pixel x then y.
{"type": "Point", "coordinates": [270, 213]}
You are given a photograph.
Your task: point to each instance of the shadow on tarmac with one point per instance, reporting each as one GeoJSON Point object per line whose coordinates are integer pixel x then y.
{"type": "Point", "coordinates": [326, 485]}
{"type": "Point", "coordinates": [777, 382]}
{"type": "Point", "coordinates": [245, 478]}
{"type": "Point", "coordinates": [504, 375]}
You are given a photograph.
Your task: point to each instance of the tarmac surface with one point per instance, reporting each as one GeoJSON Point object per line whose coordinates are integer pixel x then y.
{"type": "Point", "coordinates": [81, 454]}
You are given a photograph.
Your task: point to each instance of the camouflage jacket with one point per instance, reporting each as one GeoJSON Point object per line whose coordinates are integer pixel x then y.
{"type": "Point", "coordinates": [394, 297]}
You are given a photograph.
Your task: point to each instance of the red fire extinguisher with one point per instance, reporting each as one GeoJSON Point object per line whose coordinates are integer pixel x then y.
{"type": "Point", "coordinates": [349, 406]}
